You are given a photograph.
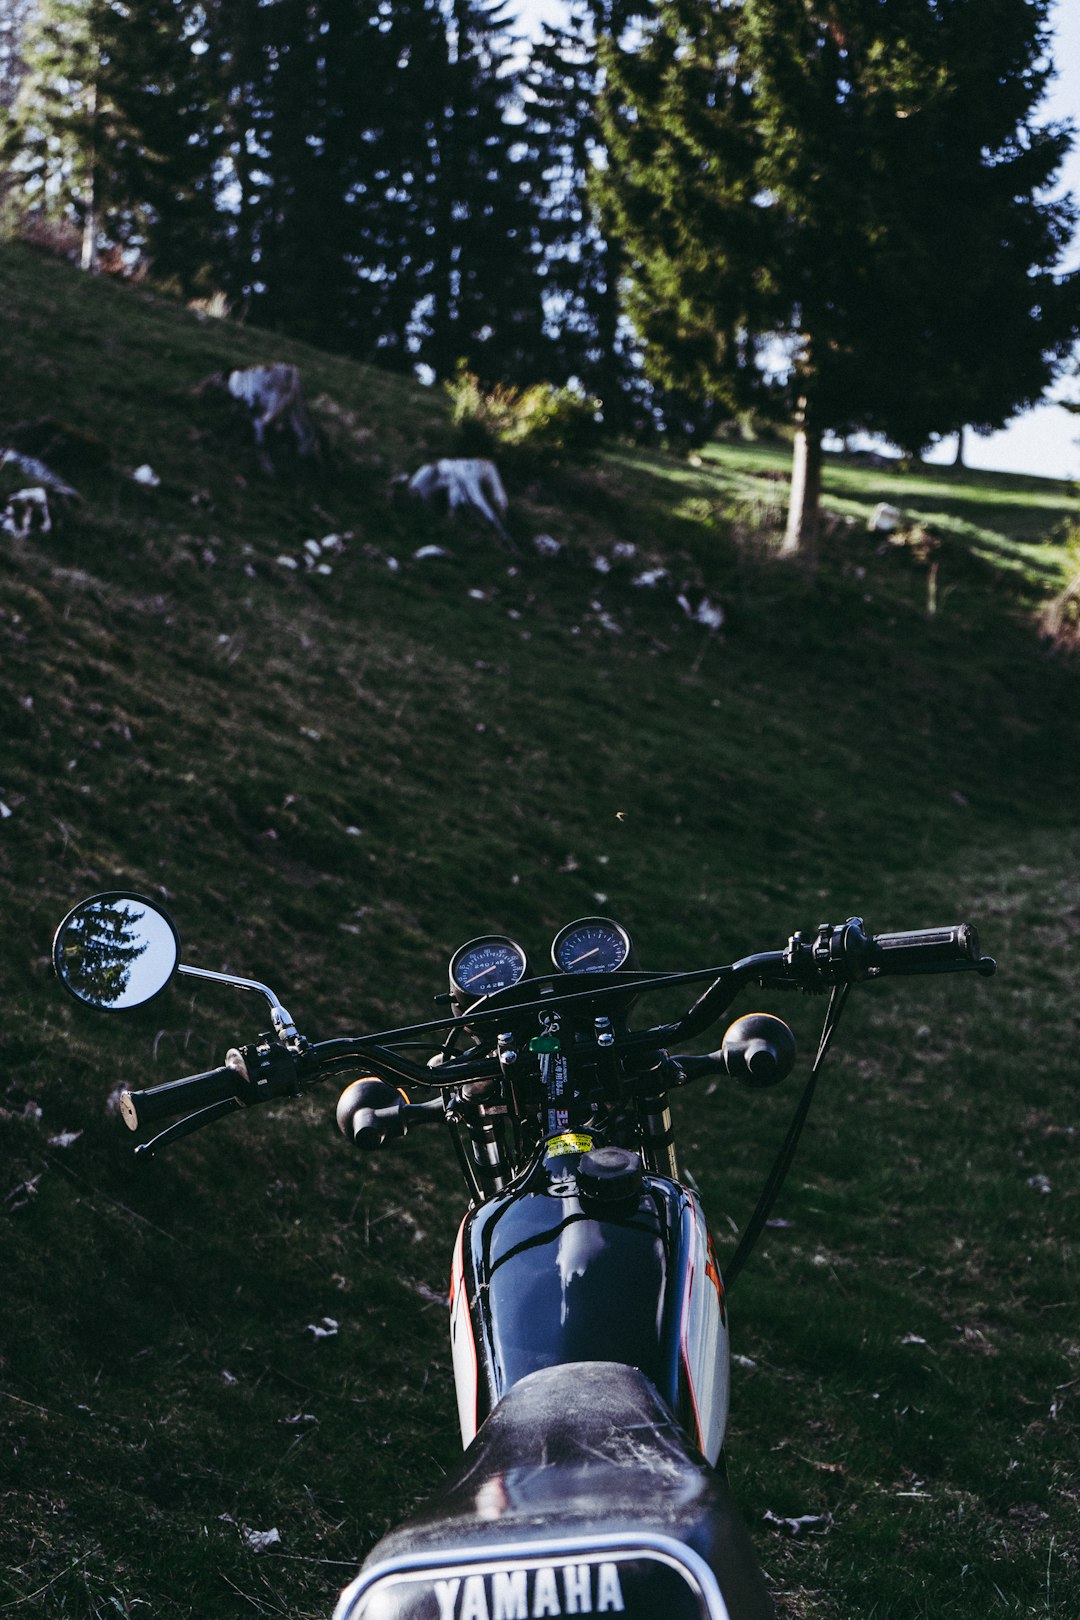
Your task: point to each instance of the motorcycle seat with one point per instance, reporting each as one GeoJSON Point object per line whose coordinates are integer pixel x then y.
{"type": "Point", "coordinates": [579, 1488]}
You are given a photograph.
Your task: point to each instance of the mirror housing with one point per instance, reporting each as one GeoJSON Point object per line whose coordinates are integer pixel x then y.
{"type": "Point", "coordinates": [759, 1050]}
{"type": "Point", "coordinates": [116, 950]}
{"type": "Point", "coordinates": [367, 1112]}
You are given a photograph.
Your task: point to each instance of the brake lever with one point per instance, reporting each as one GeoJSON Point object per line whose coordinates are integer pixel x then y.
{"type": "Point", "coordinates": [984, 966]}
{"type": "Point", "coordinates": [186, 1127]}
{"type": "Point", "coordinates": [796, 986]}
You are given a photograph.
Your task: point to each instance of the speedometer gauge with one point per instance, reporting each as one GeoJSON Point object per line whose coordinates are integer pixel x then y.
{"type": "Point", "coordinates": [484, 965]}
{"type": "Point", "coordinates": [591, 945]}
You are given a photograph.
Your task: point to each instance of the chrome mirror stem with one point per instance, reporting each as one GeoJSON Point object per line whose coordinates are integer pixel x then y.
{"type": "Point", "coordinates": [284, 1028]}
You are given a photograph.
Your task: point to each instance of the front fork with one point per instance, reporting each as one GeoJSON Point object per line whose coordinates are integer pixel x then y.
{"type": "Point", "coordinates": [482, 1122]}
{"type": "Point", "coordinates": [658, 1136]}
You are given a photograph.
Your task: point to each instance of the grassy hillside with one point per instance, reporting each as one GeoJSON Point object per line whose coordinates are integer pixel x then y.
{"type": "Point", "coordinates": [334, 779]}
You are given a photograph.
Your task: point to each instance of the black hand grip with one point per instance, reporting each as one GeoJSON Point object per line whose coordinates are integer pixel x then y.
{"type": "Point", "coordinates": [194, 1091]}
{"type": "Point", "coordinates": [927, 950]}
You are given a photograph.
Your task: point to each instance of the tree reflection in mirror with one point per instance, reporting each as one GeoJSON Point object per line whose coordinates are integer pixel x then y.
{"type": "Point", "coordinates": [116, 950]}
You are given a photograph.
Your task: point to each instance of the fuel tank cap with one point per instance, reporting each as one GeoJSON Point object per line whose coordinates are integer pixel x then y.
{"type": "Point", "coordinates": [610, 1175]}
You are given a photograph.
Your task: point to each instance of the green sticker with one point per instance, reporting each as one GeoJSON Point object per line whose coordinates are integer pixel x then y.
{"type": "Point", "coordinates": [544, 1043]}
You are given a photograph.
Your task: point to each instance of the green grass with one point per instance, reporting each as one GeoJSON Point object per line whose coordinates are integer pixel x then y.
{"type": "Point", "coordinates": [334, 781]}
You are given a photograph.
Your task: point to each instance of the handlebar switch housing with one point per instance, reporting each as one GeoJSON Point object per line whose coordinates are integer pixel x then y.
{"type": "Point", "coordinates": [838, 954]}
{"type": "Point", "coordinates": [268, 1068]}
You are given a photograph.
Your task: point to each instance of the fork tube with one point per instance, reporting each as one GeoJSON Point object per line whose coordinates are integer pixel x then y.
{"type": "Point", "coordinates": [659, 1138]}
{"type": "Point", "coordinates": [488, 1162]}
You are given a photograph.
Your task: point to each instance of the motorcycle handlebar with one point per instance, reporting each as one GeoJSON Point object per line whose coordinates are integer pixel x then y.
{"type": "Point", "coordinates": [139, 1108]}
{"type": "Point", "coordinates": [834, 956]}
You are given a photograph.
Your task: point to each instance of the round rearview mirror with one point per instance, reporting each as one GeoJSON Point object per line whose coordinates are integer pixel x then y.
{"type": "Point", "coordinates": [116, 951]}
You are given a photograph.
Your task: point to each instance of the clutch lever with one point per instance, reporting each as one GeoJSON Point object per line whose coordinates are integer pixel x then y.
{"type": "Point", "coordinates": [186, 1127]}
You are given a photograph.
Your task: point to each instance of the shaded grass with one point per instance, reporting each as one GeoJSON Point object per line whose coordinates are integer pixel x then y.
{"type": "Point", "coordinates": [333, 781]}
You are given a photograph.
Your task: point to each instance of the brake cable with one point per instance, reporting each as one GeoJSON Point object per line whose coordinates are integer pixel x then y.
{"type": "Point", "coordinates": [782, 1163]}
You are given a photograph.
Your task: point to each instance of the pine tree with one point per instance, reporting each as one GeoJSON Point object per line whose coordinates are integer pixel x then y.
{"type": "Point", "coordinates": [299, 270]}
{"type": "Point", "coordinates": [166, 141]}
{"type": "Point", "coordinates": [390, 180]}
{"type": "Point", "coordinates": [110, 128]}
{"type": "Point", "coordinates": [328, 123]}
{"type": "Point", "coordinates": [14, 15]}
{"type": "Point", "coordinates": [859, 186]}
{"type": "Point", "coordinates": [58, 130]}
{"type": "Point", "coordinates": [100, 949]}
{"type": "Point", "coordinates": [231, 44]}
{"type": "Point", "coordinates": [582, 264]}
{"type": "Point", "coordinates": [678, 192]}
{"type": "Point", "coordinates": [483, 293]}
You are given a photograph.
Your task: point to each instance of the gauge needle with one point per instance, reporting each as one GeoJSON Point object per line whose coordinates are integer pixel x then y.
{"type": "Point", "coordinates": [494, 968]}
{"type": "Point", "coordinates": [584, 957]}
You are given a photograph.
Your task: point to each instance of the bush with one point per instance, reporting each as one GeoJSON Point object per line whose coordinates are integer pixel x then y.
{"type": "Point", "coordinates": [1059, 620]}
{"type": "Point", "coordinates": [541, 423]}
{"type": "Point", "coordinates": [59, 237]}
{"type": "Point", "coordinates": [214, 307]}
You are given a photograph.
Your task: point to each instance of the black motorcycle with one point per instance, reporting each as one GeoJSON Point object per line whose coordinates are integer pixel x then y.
{"type": "Point", "coordinates": [588, 1315]}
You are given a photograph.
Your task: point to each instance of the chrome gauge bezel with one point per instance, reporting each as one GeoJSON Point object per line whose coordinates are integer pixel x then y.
{"type": "Point", "coordinates": [466, 994]}
{"type": "Point", "coordinates": [615, 929]}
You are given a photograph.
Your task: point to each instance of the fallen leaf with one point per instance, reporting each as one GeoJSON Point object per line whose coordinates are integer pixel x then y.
{"type": "Point", "coordinates": [260, 1541]}
{"type": "Point", "coordinates": [818, 1524]}
{"type": "Point", "coordinates": [432, 1295]}
{"type": "Point", "coordinates": [64, 1139]}
{"type": "Point", "coordinates": [326, 1331]}
{"type": "Point", "coordinates": [20, 1196]}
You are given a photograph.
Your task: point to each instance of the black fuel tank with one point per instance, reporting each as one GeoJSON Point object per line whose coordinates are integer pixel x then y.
{"type": "Point", "coordinates": [546, 1275]}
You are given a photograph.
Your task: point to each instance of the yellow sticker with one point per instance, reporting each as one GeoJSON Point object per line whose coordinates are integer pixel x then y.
{"type": "Point", "coordinates": [569, 1142]}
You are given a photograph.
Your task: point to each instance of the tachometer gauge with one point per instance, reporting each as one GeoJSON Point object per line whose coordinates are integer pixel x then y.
{"type": "Point", "coordinates": [489, 963]}
{"type": "Point", "coordinates": [591, 945]}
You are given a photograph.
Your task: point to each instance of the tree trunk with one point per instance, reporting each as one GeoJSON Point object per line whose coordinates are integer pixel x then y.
{"type": "Point", "coordinates": [958, 459]}
{"type": "Point", "coordinates": [800, 537]}
{"type": "Point", "coordinates": [608, 316]}
{"type": "Point", "coordinates": [440, 348]}
{"type": "Point", "coordinates": [89, 259]}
